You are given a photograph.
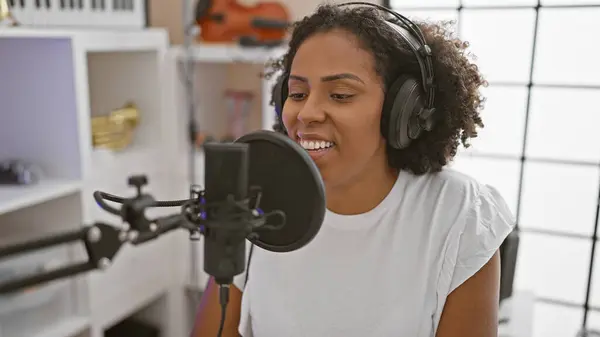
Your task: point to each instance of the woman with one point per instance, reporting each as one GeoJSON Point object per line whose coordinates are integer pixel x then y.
{"type": "Point", "coordinates": [408, 247]}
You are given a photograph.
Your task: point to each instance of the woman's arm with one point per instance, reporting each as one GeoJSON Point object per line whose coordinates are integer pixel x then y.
{"type": "Point", "coordinates": [471, 310]}
{"type": "Point", "coordinates": [209, 312]}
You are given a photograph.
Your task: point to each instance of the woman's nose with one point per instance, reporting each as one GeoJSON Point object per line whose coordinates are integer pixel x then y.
{"type": "Point", "coordinates": [311, 112]}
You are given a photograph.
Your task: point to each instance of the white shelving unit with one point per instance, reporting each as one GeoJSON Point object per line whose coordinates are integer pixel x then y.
{"type": "Point", "coordinates": [217, 53]}
{"type": "Point", "coordinates": [217, 67]}
{"type": "Point", "coordinates": [14, 198]}
{"type": "Point", "coordinates": [51, 83]}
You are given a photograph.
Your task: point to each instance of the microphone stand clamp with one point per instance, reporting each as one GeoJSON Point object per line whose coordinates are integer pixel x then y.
{"type": "Point", "coordinates": [133, 209]}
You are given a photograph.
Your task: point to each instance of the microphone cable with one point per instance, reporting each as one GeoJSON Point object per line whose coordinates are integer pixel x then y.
{"type": "Point", "coordinates": [223, 300]}
{"type": "Point", "coordinates": [100, 198]}
{"type": "Point", "coordinates": [248, 265]}
{"type": "Point", "coordinates": [224, 294]}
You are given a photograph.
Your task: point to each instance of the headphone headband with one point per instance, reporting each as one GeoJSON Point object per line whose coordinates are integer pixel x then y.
{"type": "Point", "coordinates": [414, 37]}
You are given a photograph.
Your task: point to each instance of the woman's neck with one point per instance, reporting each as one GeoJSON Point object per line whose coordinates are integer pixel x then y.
{"type": "Point", "coordinates": [364, 193]}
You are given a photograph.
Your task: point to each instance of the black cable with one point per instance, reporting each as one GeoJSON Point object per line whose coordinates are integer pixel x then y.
{"type": "Point", "coordinates": [248, 265]}
{"type": "Point", "coordinates": [99, 197]}
{"type": "Point", "coordinates": [223, 299]}
{"type": "Point", "coordinates": [222, 323]}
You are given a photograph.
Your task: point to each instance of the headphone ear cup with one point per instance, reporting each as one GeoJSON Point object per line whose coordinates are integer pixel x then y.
{"type": "Point", "coordinates": [402, 105]}
{"type": "Point", "coordinates": [280, 93]}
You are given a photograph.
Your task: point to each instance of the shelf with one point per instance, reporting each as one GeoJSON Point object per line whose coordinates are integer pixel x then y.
{"type": "Point", "coordinates": [13, 198]}
{"type": "Point", "coordinates": [113, 79]}
{"type": "Point", "coordinates": [212, 81]}
{"type": "Point", "coordinates": [118, 78]}
{"type": "Point", "coordinates": [38, 119]}
{"type": "Point", "coordinates": [96, 40]}
{"type": "Point", "coordinates": [30, 299]}
{"type": "Point", "coordinates": [138, 275]}
{"type": "Point", "coordinates": [54, 81]}
{"type": "Point", "coordinates": [68, 327]}
{"type": "Point", "coordinates": [229, 53]}
{"type": "Point", "coordinates": [26, 32]}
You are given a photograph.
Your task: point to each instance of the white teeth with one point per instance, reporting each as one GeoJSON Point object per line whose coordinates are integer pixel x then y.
{"type": "Point", "coordinates": [315, 145]}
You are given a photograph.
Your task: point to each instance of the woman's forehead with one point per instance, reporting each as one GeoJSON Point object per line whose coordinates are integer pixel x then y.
{"type": "Point", "coordinates": [332, 52]}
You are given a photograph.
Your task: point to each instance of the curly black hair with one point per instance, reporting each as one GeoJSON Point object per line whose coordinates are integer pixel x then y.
{"type": "Point", "coordinates": [457, 101]}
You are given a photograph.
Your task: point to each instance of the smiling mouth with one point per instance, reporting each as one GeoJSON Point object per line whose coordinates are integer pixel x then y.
{"type": "Point", "coordinates": [316, 145]}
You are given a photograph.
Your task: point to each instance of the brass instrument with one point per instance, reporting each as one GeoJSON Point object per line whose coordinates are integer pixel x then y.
{"type": "Point", "coordinates": [6, 17]}
{"type": "Point", "coordinates": [116, 130]}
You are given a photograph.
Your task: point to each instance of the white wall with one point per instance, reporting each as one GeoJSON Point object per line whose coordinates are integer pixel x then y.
{"type": "Point", "coordinates": [556, 199]}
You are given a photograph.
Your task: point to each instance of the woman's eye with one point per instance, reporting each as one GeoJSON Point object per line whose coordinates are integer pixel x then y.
{"type": "Point", "coordinates": [341, 97]}
{"type": "Point", "coordinates": [296, 97]}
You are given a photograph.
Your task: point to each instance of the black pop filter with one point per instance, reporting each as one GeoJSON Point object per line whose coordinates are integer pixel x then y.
{"type": "Point", "coordinates": [290, 182]}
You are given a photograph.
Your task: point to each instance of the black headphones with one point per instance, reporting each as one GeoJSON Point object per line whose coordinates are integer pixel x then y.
{"type": "Point", "coordinates": [408, 105]}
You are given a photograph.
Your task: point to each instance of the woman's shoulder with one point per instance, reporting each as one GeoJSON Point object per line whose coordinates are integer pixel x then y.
{"type": "Point", "coordinates": [467, 217]}
{"type": "Point", "coordinates": [458, 200]}
{"type": "Point", "coordinates": [448, 189]}
{"type": "Point", "coordinates": [474, 217]}
{"type": "Point", "coordinates": [480, 203]}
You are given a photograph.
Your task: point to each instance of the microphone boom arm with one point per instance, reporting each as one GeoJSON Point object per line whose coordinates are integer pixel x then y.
{"type": "Point", "coordinates": [229, 219]}
{"type": "Point", "coordinates": [101, 243]}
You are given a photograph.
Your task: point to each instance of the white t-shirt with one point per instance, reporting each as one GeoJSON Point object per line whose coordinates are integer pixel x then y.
{"type": "Point", "coordinates": [384, 273]}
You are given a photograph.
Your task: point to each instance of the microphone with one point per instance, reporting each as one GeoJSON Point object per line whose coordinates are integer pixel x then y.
{"type": "Point", "coordinates": [262, 175]}
{"type": "Point", "coordinates": [284, 212]}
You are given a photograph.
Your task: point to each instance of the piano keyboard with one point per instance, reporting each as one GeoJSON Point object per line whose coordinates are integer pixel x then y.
{"type": "Point", "coordinates": [80, 13]}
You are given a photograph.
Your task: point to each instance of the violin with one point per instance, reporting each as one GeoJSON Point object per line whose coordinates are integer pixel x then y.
{"type": "Point", "coordinates": [263, 24]}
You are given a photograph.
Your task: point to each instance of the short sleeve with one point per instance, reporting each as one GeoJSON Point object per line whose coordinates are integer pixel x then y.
{"type": "Point", "coordinates": [487, 224]}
